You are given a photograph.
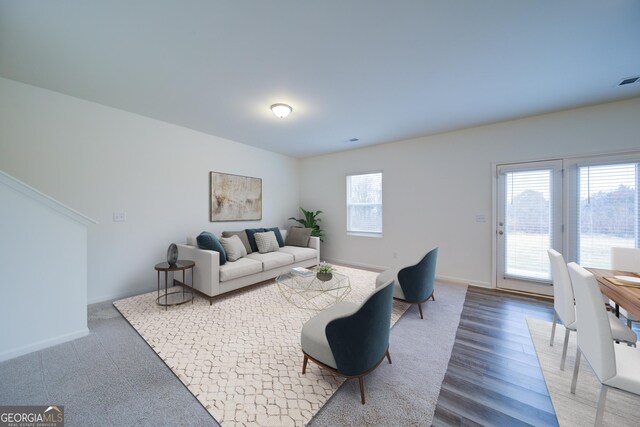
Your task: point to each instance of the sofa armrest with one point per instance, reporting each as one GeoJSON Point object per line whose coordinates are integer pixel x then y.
{"type": "Point", "coordinates": [206, 273]}
{"type": "Point", "coordinates": [314, 243]}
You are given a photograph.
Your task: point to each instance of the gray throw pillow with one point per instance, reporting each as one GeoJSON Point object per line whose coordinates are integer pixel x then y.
{"type": "Point", "coordinates": [267, 242]}
{"type": "Point", "coordinates": [233, 247]}
{"type": "Point", "coordinates": [243, 238]}
{"type": "Point", "coordinates": [298, 236]}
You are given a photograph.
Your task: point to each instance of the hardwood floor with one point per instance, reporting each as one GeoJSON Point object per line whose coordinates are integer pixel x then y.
{"type": "Point", "coordinates": [493, 377]}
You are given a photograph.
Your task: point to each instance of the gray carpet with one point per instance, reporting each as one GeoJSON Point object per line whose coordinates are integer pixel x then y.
{"type": "Point", "coordinates": [113, 378]}
{"type": "Point", "coordinates": [405, 392]}
{"type": "Point", "coordinates": [109, 378]}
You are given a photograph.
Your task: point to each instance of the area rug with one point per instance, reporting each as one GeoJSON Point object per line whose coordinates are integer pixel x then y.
{"type": "Point", "coordinates": [241, 356]}
{"type": "Point", "coordinates": [577, 409]}
{"type": "Point", "coordinates": [406, 392]}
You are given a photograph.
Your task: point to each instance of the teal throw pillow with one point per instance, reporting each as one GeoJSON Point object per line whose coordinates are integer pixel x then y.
{"type": "Point", "coordinates": [210, 242]}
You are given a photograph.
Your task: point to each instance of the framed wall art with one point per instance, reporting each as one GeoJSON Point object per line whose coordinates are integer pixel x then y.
{"type": "Point", "coordinates": [234, 197]}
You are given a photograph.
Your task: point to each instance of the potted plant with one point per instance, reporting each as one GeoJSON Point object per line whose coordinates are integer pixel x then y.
{"type": "Point", "coordinates": [311, 220]}
{"type": "Point", "coordinates": [324, 272]}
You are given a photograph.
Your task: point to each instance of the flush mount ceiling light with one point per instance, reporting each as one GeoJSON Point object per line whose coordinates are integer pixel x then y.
{"type": "Point", "coordinates": [281, 110]}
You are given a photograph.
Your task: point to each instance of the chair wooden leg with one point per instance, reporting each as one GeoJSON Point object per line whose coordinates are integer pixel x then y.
{"type": "Point", "coordinates": [361, 381]}
{"type": "Point", "coordinates": [389, 357]}
{"type": "Point", "coordinates": [576, 368]}
{"type": "Point", "coordinates": [564, 348]}
{"type": "Point", "coordinates": [433, 297]}
{"type": "Point", "coordinates": [601, 403]}
{"type": "Point", "coordinates": [420, 308]}
{"type": "Point", "coordinates": [553, 328]}
{"type": "Point", "coordinates": [304, 364]}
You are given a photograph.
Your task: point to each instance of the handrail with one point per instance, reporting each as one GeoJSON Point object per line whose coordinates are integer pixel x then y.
{"type": "Point", "coordinates": [52, 203]}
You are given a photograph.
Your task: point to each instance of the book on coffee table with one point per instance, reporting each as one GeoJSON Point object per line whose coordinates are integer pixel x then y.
{"type": "Point", "coordinates": [299, 271]}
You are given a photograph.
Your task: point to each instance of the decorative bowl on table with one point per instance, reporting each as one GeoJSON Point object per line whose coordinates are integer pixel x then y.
{"type": "Point", "coordinates": [324, 277]}
{"type": "Point", "coordinates": [324, 272]}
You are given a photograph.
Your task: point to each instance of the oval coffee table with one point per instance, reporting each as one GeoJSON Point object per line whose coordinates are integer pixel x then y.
{"type": "Point", "coordinates": [310, 293]}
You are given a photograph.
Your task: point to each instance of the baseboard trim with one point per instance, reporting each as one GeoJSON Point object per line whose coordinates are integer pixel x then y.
{"type": "Point", "coordinates": [461, 281]}
{"type": "Point", "coordinates": [120, 295]}
{"type": "Point", "coordinates": [355, 264]}
{"type": "Point", "coordinates": [440, 278]}
{"type": "Point", "coordinates": [50, 342]}
{"type": "Point", "coordinates": [525, 293]}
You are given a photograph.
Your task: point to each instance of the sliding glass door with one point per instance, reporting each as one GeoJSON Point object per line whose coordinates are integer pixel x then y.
{"type": "Point", "coordinates": [582, 207]}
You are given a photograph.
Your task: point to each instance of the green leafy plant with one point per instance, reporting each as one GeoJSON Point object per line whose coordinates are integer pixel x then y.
{"type": "Point", "coordinates": [311, 220]}
{"type": "Point", "coordinates": [325, 267]}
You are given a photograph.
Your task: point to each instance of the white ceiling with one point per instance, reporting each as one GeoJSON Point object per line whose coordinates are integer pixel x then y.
{"type": "Point", "coordinates": [377, 70]}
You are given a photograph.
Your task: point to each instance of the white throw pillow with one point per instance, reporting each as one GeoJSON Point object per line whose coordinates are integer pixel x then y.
{"type": "Point", "coordinates": [191, 241]}
{"type": "Point", "coordinates": [233, 247]}
{"type": "Point", "coordinates": [267, 242]}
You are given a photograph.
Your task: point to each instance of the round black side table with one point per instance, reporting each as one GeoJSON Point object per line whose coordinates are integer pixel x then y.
{"type": "Point", "coordinates": [175, 297]}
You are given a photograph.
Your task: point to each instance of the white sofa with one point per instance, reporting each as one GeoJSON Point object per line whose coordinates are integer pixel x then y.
{"type": "Point", "coordinates": [212, 279]}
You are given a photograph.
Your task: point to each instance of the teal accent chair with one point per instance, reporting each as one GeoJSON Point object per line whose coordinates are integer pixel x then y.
{"type": "Point", "coordinates": [350, 340]}
{"type": "Point", "coordinates": [413, 284]}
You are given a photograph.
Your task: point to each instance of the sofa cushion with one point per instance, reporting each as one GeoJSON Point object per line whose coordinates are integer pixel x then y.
{"type": "Point", "coordinates": [239, 268]}
{"type": "Point", "coordinates": [251, 237]}
{"type": "Point", "coordinates": [233, 247]}
{"type": "Point", "coordinates": [299, 254]}
{"type": "Point", "coordinates": [191, 241]}
{"type": "Point", "coordinates": [266, 242]}
{"type": "Point", "coordinates": [272, 260]}
{"type": "Point", "coordinates": [298, 236]}
{"type": "Point", "coordinates": [210, 242]}
{"type": "Point", "coordinates": [276, 231]}
{"type": "Point", "coordinates": [243, 238]}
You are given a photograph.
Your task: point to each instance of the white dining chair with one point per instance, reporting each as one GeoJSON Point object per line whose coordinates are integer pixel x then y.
{"type": "Point", "coordinates": [615, 365]}
{"type": "Point", "coordinates": [626, 259]}
{"type": "Point", "coordinates": [565, 310]}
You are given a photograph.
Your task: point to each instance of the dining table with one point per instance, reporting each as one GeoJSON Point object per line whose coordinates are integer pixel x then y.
{"type": "Point", "coordinates": [627, 297]}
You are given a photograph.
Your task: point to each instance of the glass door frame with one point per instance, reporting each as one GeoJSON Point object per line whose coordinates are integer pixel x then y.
{"type": "Point", "coordinates": [572, 197]}
{"type": "Point", "coordinates": [501, 281]}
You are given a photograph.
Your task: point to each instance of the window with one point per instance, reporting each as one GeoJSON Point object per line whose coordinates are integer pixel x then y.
{"type": "Point", "coordinates": [607, 211]}
{"type": "Point", "coordinates": [364, 204]}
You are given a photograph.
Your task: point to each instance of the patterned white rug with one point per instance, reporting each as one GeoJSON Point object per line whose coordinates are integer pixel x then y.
{"type": "Point", "coordinates": [578, 409]}
{"type": "Point", "coordinates": [241, 356]}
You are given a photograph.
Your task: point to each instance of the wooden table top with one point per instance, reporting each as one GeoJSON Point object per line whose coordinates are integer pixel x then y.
{"type": "Point", "coordinates": [625, 296]}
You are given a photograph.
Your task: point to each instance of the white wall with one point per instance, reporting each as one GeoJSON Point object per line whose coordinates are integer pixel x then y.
{"type": "Point", "coordinates": [99, 160]}
{"type": "Point", "coordinates": [43, 257]}
{"type": "Point", "coordinates": [433, 187]}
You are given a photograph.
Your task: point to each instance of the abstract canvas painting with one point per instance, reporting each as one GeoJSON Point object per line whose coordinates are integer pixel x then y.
{"type": "Point", "coordinates": [235, 197]}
